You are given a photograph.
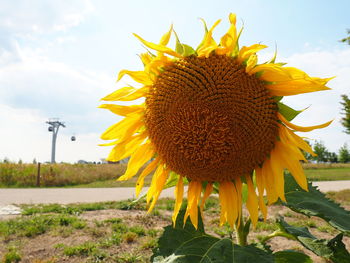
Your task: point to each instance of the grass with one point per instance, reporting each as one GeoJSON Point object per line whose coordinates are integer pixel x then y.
{"type": "Point", "coordinates": [328, 174]}
{"type": "Point", "coordinates": [11, 256]}
{"type": "Point", "coordinates": [57, 175]}
{"type": "Point", "coordinates": [103, 232]}
{"type": "Point", "coordinates": [104, 175]}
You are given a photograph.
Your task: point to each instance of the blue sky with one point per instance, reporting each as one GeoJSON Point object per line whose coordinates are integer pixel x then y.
{"type": "Point", "coordinates": [57, 58]}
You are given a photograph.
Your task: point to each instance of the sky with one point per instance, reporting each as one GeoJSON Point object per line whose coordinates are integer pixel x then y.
{"type": "Point", "coordinates": [58, 58]}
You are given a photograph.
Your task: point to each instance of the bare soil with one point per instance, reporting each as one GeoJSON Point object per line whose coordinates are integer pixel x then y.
{"type": "Point", "coordinates": [45, 248]}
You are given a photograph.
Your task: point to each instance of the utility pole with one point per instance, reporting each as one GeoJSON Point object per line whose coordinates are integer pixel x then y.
{"type": "Point", "coordinates": [54, 126]}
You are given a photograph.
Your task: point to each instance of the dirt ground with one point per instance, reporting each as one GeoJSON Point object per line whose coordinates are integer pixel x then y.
{"type": "Point", "coordinates": [53, 245]}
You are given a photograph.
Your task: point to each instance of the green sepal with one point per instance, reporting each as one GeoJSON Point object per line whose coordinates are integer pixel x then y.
{"type": "Point", "coordinates": [278, 98]}
{"type": "Point", "coordinates": [205, 33]}
{"type": "Point", "coordinates": [183, 49]}
{"type": "Point", "coordinates": [287, 112]}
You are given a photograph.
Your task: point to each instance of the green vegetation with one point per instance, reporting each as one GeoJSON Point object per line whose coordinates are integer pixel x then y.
{"type": "Point", "coordinates": [105, 175]}
{"type": "Point", "coordinates": [11, 256]}
{"type": "Point", "coordinates": [328, 174]}
{"type": "Point", "coordinates": [25, 175]}
{"type": "Point", "coordinates": [105, 232]}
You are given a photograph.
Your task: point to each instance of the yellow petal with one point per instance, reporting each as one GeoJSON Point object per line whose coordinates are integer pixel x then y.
{"type": "Point", "coordinates": [246, 52]}
{"type": "Point", "coordinates": [142, 155]}
{"type": "Point", "coordinates": [138, 76]}
{"type": "Point", "coordinates": [179, 191]}
{"type": "Point", "coordinates": [261, 187]}
{"type": "Point", "coordinates": [238, 185]}
{"type": "Point", "coordinates": [293, 165]}
{"type": "Point", "coordinates": [208, 191]}
{"type": "Point", "coordinates": [270, 182]}
{"type": "Point", "coordinates": [209, 43]}
{"type": "Point", "coordinates": [166, 37]}
{"type": "Point", "coordinates": [158, 188]}
{"type": "Point", "coordinates": [125, 128]}
{"type": "Point", "coordinates": [252, 201]}
{"type": "Point", "coordinates": [193, 195]}
{"type": "Point", "coordinates": [277, 170]}
{"type": "Point", "coordinates": [251, 63]}
{"type": "Point", "coordinates": [127, 94]}
{"type": "Point", "coordinates": [123, 110]}
{"type": "Point", "coordinates": [159, 48]}
{"type": "Point", "coordinates": [228, 43]}
{"type": "Point", "coordinates": [294, 87]}
{"type": "Point", "coordinates": [296, 140]}
{"type": "Point", "coordinates": [146, 58]}
{"type": "Point", "coordinates": [300, 128]}
{"type": "Point", "coordinates": [145, 172]}
{"type": "Point", "coordinates": [126, 148]}
{"type": "Point", "coordinates": [228, 201]}
{"type": "Point", "coordinates": [153, 185]}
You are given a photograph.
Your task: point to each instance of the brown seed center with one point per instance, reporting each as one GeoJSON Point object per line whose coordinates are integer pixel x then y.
{"type": "Point", "coordinates": [209, 120]}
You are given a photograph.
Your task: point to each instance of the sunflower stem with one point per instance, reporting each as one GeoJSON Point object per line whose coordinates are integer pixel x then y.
{"type": "Point", "coordinates": [242, 231]}
{"type": "Point", "coordinates": [277, 233]}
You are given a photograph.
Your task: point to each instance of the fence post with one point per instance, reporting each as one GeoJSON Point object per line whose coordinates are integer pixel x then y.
{"type": "Point", "coordinates": [38, 176]}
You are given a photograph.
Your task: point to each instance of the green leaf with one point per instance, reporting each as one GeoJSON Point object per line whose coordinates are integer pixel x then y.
{"type": "Point", "coordinates": [291, 256]}
{"type": "Point", "coordinates": [287, 111]}
{"type": "Point", "coordinates": [315, 203]}
{"type": "Point", "coordinates": [340, 254]}
{"type": "Point", "coordinates": [185, 244]}
{"type": "Point", "coordinates": [309, 241]}
{"type": "Point", "coordinates": [333, 249]}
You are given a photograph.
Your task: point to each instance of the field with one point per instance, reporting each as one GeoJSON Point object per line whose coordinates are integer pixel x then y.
{"type": "Point", "coordinates": [104, 175]}
{"type": "Point", "coordinates": [123, 232]}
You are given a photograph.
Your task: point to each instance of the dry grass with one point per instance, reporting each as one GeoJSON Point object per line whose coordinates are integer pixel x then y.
{"type": "Point", "coordinates": [325, 165]}
{"type": "Point", "coordinates": [25, 175]}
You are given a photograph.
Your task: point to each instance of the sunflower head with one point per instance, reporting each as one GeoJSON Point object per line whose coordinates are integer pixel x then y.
{"type": "Point", "coordinates": [211, 115]}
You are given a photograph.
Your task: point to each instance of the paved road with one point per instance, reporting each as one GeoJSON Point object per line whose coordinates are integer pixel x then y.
{"type": "Point", "coordinates": [80, 195]}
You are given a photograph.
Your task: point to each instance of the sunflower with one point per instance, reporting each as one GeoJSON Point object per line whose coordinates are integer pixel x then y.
{"type": "Point", "coordinates": [213, 118]}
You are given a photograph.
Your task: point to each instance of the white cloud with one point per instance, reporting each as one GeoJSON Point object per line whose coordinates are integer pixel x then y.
{"type": "Point", "coordinates": [28, 17]}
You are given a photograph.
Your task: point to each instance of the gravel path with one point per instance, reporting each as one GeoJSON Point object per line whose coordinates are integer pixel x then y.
{"type": "Point", "coordinates": [81, 195]}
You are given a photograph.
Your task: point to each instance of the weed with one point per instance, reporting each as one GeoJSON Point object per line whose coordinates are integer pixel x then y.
{"type": "Point", "coordinates": [152, 232]}
{"type": "Point", "coordinates": [327, 229]}
{"type": "Point", "coordinates": [303, 223]}
{"type": "Point", "coordinates": [268, 226]}
{"type": "Point", "coordinates": [12, 255]}
{"type": "Point", "coordinates": [96, 232]}
{"type": "Point", "coordinates": [114, 239]}
{"type": "Point", "coordinates": [149, 243]}
{"type": "Point", "coordinates": [113, 220]}
{"type": "Point", "coordinates": [128, 258]}
{"type": "Point", "coordinates": [130, 237]}
{"type": "Point", "coordinates": [211, 203]}
{"type": "Point", "coordinates": [139, 230]}
{"type": "Point", "coordinates": [37, 225]}
{"type": "Point", "coordinates": [119, 228]}
{"type": "Point", "coordinates": [85, 249]}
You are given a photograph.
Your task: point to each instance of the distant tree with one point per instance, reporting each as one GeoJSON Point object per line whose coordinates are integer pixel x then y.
{"type": "Point", "coordinates": [6, 160]}
{"type": "Point", "coordinates": [308, 156]}
{"type": "Point", "coordinates": [320, 149]}
{"type": "Point", "coordinates": [34, 161]}
{"type": "Point", "coordinates": [344, 154]}
{"type": "Point", "coordinates": [345, 121]}
{"type": "Point", "coordinates": [20, 161]}
{"type": "Point", "coordinates": [346, 39]}
{"type": "Point", "coordinates": [332, 157]}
